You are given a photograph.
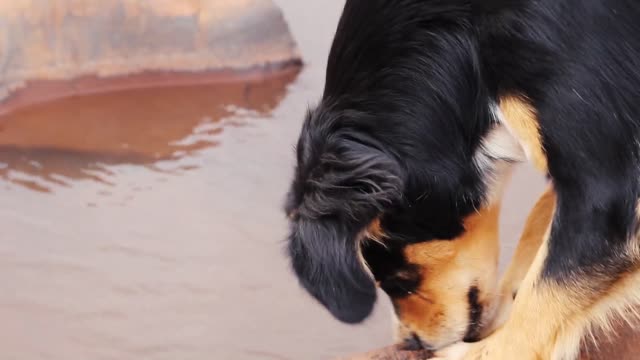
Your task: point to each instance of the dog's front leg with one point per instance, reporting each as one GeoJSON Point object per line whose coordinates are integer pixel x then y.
{"type": "Point", "coordinates": [587, 250]}
{"type": "Point", "coordinates": [532, 236]}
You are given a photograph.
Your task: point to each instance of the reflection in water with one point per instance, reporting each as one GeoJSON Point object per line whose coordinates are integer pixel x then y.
{"type": "Point", "coordinates": [159, 129]}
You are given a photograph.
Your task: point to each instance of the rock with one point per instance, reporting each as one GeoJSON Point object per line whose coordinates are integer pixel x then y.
{"type": "Point", "coordinates": [63, 40]}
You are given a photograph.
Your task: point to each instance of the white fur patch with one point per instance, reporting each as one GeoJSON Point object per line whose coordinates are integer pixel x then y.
{"type": "Point", "coordinates": [499, 145]}
{"type": "Point", "coordinates": [453, 352]}
{"type": "Point", "coordinates": [524, 152]}
{"type": "Point", "coordinates": [495, 157]}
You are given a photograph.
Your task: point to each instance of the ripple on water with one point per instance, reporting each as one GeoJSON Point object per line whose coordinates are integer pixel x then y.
{"type": "Point", "coordinates": [162, 130]}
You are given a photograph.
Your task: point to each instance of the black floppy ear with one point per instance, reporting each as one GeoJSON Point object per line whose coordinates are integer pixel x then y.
{"type": "Point", "coordinates": [326, 259]}
{"type": "Point", "coordinates": [331, 204]}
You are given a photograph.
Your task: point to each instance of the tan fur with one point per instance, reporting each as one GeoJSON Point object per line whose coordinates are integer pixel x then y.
{"type": "Point", "coordinates": [438, 310]}
{"type": "Point", "coordinates": [374, 231]}
{"type": "Point", "coordinates": [535, 228]}
{"type": "Point", "coordinates": [521, 119]}
{"type": "Point", "coordinates": [619, 304]}
{"type": "Point", "coordinates": [550, 321]}
{"type": "Point", "coordinates": [530, 331]}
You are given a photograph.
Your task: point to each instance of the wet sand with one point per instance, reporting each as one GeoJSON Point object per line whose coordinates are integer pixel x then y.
{"type": "Point", "coordinates": [147, 224]}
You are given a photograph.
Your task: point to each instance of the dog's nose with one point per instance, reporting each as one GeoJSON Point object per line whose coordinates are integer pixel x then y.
{"type": "Point", "coordinates": [415, 343]}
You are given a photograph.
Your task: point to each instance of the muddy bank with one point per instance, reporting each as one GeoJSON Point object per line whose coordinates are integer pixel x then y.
{"type": "Point", "coordinates": [53, 49]}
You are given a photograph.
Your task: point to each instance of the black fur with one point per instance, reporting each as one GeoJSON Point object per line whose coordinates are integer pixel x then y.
{"type": "Point", "coordinates": [582, 74]}
{"type": "Point", "coordinates": [392, 137]}
{"type": "Point", "coordinates": [395, 275]}
{"type": "Point", "coordinates": [475, 315]}
{"type": "Point", "coordinates": [405, 109]}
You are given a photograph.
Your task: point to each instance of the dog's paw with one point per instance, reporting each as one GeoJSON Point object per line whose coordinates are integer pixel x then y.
{"type": "Point", "coordinates": [456, 351]}
{"type": "Point", "coordinates": [500, 347]}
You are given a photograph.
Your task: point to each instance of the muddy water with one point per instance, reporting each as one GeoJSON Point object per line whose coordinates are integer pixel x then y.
{"type": "Point", "coordinates": [146, 224]}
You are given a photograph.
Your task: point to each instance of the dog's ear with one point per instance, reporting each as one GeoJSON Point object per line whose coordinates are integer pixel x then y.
{"type": "Point", "coordinates": [349, 184]}
{"type": "Point", "coordinates": [326, 259]}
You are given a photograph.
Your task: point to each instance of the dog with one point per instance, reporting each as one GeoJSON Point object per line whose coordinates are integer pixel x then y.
{"type": "Point", "coordinates": [400, 169]}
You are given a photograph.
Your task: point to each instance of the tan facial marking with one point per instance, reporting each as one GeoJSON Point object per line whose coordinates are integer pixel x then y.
{"type": "Point", "coordinates": [521, 119]}
{"type": "Point", "coordinates": [439, 309]}
{"type": "Point", "coordinates": [374, 231]}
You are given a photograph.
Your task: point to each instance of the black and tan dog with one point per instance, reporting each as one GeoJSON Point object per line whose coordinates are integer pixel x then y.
{"type": "Point", "coordinates": [427, 104]}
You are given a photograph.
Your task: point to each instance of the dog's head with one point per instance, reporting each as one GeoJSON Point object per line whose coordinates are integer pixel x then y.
{"type": "Point", "coordinates": [442, 290]}
{"type": "Point", "coordinates": [399, 171]}
{"type": "Point", "coordinates": [359, 219]}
